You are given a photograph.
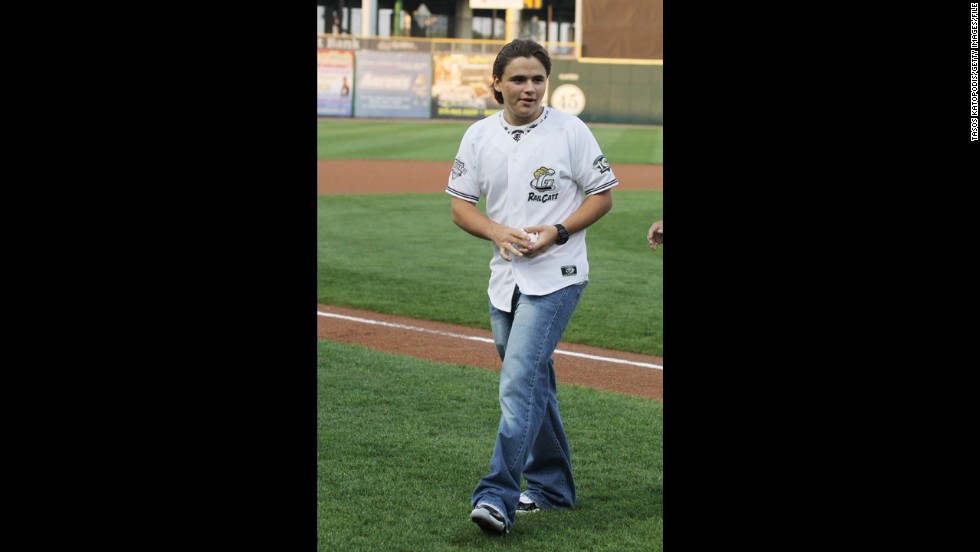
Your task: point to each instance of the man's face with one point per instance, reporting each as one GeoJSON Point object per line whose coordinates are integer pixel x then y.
{"type": "Point", "coordinates": [522, 85]}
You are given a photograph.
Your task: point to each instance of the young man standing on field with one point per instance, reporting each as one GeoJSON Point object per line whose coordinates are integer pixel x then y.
{"type": "Point", "coordinates": [545, 181]}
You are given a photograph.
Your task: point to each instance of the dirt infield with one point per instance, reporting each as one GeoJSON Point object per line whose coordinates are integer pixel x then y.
{"type": "Point", "coordinates": [403, 177]}
{"type": "Point", "coordinates": [617, 371]}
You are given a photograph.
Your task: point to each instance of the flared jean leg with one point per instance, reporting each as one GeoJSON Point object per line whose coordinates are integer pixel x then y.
{"type": "Point", "coordinates": [525, 339]}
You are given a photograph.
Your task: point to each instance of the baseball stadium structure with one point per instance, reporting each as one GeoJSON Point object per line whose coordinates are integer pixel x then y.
{"type": "Point", "coordinates": [433, 58]}
{"type": "Point", "coordinates": [616, 29]}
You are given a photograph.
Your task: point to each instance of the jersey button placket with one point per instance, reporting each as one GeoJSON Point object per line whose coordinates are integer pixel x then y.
{"type": "Point", "coordinates": [515, 160]}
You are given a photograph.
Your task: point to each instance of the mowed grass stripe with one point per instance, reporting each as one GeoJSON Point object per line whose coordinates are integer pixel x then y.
{"type": "Point", "coordinates": [386, 140]}
{"type": "Point", "coordinates": [439, 141]}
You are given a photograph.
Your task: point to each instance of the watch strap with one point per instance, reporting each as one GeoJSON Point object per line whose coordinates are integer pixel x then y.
{"type": "Point", "coordinates": [562, 235]}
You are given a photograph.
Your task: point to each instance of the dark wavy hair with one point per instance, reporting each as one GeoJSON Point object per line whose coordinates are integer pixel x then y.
{"type": "Point", "coordinates": [515, 49]}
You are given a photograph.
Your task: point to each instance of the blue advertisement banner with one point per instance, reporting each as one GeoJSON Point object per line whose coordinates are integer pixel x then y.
{"type": "Point", "coordinates": [393, 84]}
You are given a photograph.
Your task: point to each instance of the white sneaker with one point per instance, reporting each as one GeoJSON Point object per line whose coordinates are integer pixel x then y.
{"type": "Point", "coordinates": [525, 505]}
{"type": "Point", "coordinates": [489, 519]}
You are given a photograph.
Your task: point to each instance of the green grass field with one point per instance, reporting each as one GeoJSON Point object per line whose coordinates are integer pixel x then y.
{"type": "Point", "coordinates": [417, 263]}
{"type": "Point", "coordinates": [403, 442]}
{"type": "Point", "coordinates": [439, 141]}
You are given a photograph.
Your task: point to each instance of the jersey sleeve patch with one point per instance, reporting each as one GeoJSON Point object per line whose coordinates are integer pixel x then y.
{"type": "Point", "coordinates": [459, 169]}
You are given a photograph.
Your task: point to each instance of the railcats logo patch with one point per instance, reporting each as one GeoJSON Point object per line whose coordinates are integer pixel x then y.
{"type": "Point", "coordinates": [600, 164]}
{"type": "Point", "coordinates": [569, 270]}
{"type": "Point", "coordinates": [459, 169]}
{"type": "Point", "coordinates": [542, 183]}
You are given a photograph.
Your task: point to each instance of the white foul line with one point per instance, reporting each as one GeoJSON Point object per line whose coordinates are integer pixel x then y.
{"type": "Point", "coordinates": [482, 339]}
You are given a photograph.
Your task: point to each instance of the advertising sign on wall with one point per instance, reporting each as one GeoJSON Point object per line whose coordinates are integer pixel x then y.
{"type": "Point", "coordinates": [393, 84]}
{"type": "Point", "coordinates": [461, 86]}
{"type": "Point", "coordinates": [496, 4]}
{"type": "Point", "coordinates": [334, 83]}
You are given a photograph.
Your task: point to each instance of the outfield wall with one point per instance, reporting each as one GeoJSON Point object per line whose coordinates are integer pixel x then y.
{"type": "Point", "coordinates": [608, 92]}
{"type": "Point", "coordinates": [363, 83]}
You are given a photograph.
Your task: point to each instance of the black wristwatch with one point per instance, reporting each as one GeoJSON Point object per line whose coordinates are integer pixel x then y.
{"type": "Point", "coordinates": [562, 235]}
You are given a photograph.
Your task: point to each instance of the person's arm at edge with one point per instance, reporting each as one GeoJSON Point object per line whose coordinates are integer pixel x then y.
{"type": "Point", "coordinates": [655, 235]}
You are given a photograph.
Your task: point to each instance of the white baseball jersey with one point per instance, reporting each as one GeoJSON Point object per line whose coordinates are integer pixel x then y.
{"type": "Point", "coordinates": [541, 179]}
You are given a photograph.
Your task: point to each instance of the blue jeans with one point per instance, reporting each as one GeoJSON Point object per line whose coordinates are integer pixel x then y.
{"type": "Point", "coordinates": [530, 438]}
